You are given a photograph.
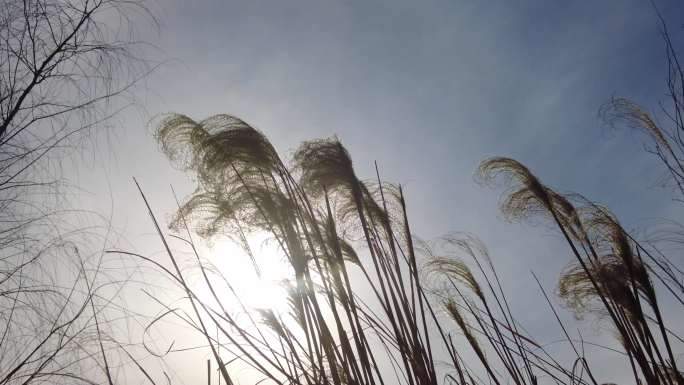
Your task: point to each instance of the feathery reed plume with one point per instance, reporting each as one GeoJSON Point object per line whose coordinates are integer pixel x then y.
{"type": "Point", "coordinates": [339, 328]}
{"type": "Point", "coordinates": [622, 111]}
{"type": "Point", "coordinates": [526, 196]}
{"type": "Point", "coordinates": [607, 278]}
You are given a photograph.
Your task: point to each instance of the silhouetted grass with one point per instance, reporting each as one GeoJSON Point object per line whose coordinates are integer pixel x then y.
{"type": "Point", "coordinates": [367, 298]}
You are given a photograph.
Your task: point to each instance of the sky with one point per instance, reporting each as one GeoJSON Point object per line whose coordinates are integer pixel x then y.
{"type": "Point", "coordinates": [428, 89]}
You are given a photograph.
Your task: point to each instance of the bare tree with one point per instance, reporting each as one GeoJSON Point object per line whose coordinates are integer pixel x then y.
{"type": "Point", "coordinates": [666, 135]}
{"type": "Point", "coordinates": [66, 67]}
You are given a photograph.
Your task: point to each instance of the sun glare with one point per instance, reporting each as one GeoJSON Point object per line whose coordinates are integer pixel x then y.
{"type": "Point", "coordinates": [255, 291]}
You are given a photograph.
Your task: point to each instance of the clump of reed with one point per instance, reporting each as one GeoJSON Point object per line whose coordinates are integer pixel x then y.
{"type": "Point", "coordinates": [610, 275]}
{"type": "Point", "coordinates": [369, 303]}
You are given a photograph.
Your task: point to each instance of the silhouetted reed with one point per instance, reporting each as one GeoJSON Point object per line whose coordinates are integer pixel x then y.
{"type": "Point", "coordinates": [370, 303]}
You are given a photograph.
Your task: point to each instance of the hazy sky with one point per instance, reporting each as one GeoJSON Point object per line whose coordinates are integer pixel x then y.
{"type": "Point", "coordinates": [425, 88]}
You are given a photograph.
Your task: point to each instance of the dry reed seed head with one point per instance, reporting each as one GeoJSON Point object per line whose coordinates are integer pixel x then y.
{"type": "Point", "coordinates": [422, 248]}
{"type": "Point", "coordinates": [624, 111]}
{"type": "Point", "coordinates": [239, 182]}
{"type": "Point", "coordinates": [613, 244]}
{"type": "Point", "coordinates": [234, 164]}
{"type": "Point", "coordinates": [371, 203]}
{"type": "Point", "coordinates": [614, 269]}
{"type": "Point", "coordinates": [605, 228]}
{"type": "Point", "coordinates": [229, 208]}
{"type": "Point", "coordinates": [269, 318]}
{"type": "Point", "coordinates": [177, 136]}
{"type": "Point", "coordinates": [569, 215]}
{"type": "Point", "coordinates": [525, 196]}
{"type": "Point", "coordinates": [452, 309]}
{"type": "Point", "coordinates": [324, 164]}
{"type": "Point", "coordinates": [332, 239]}
{"type": "Point", "coordinates": [424, 255]}
{"type": "Point", "coordinates": [511, 170]}
{"type": "Point", "coordinates": [454, 312]}
{"type": "Point", "coordinates": [579, 294]}
{"type": "Point", "coordinates": [448, 261]}
{"type": "Point", "coordinates": [205, 212]}
{"type": "Point", "coordinates": [234, 142]}
{"type": "Point", "coordinates": [456, 270]}
{"type": "Point", "coordinates": [462, 242]}
{"type": "Point", "coordinates": [392, 199]}
{"type": "Point", "coordinates": [213, 146]}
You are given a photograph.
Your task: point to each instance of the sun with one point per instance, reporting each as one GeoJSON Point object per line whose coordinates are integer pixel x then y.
{"type": "Point", "coordinates": [263, 290]}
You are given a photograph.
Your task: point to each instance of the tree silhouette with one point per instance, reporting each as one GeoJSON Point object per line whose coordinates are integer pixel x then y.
{"type": "Point", "coordinates": [66, 67]}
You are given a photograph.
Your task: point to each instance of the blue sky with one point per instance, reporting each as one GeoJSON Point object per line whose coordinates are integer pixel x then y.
{"type": "Point", "coordinates": [425, 88]}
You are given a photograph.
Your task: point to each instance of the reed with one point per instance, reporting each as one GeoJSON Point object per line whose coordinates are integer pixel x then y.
{"type": "Point", "coordinates": [369, 302]}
